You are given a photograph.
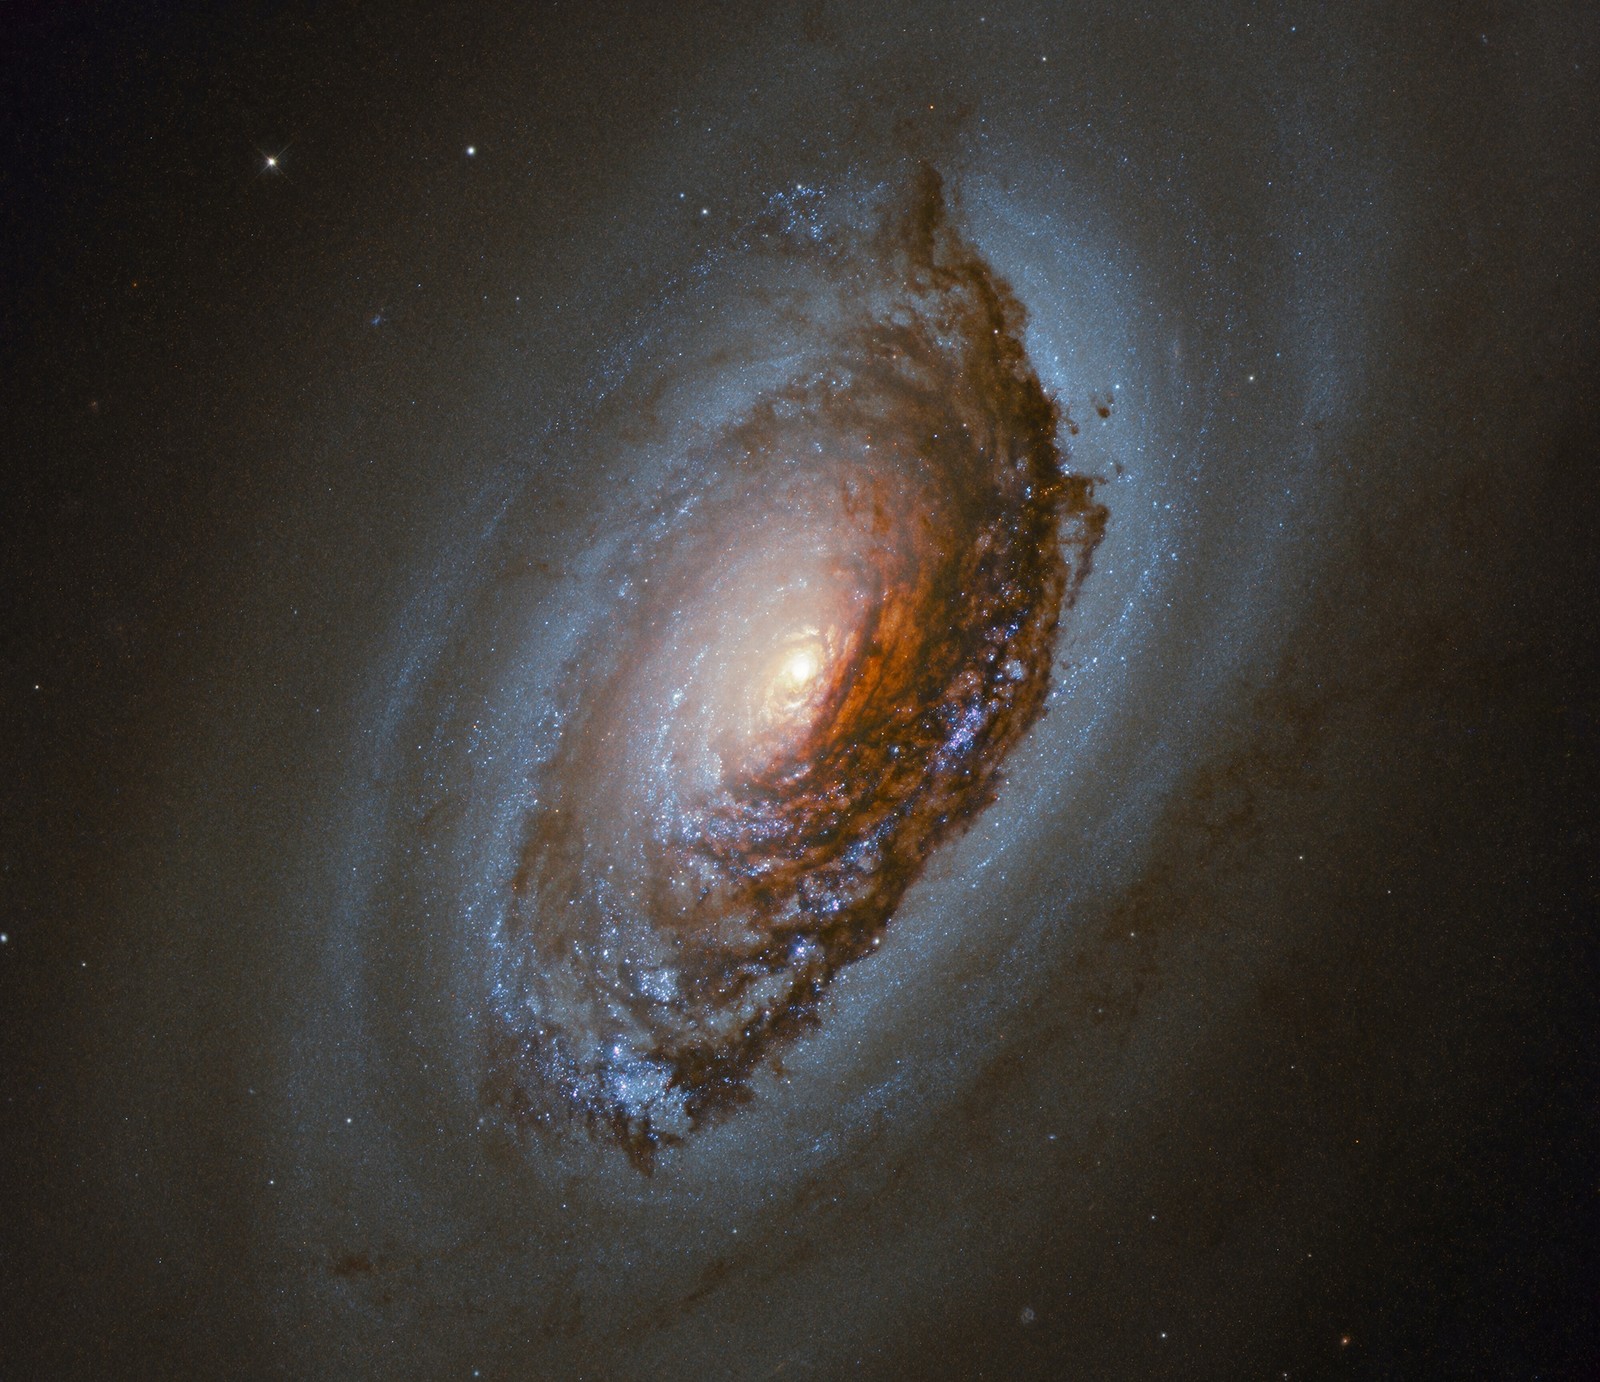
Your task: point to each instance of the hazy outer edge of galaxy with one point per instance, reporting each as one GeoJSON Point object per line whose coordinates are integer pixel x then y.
{"type": "Point", "coordinates": [1248, 1033]}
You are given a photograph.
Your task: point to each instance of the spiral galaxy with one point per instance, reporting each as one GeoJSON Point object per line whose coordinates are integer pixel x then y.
{"type": "Point", "coordinates": [843, 632]}
{"type": "Point", "coordinates": [764, 692]}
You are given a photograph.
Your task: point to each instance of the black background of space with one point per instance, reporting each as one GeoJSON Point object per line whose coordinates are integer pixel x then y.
{"type": "Point", "coordinates": [1412, 1089]}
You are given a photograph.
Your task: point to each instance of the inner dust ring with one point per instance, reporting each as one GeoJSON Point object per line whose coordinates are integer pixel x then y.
{"type": "Point", "coordinates": [819, 667]}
